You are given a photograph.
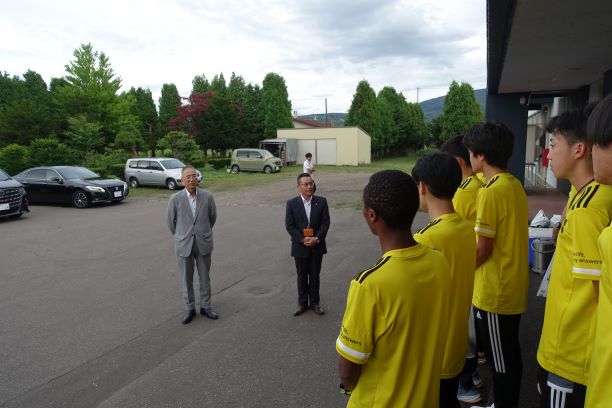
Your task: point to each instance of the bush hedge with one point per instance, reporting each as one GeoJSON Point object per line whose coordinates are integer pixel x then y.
{"type": "Point", "coordinates": [219, 164]}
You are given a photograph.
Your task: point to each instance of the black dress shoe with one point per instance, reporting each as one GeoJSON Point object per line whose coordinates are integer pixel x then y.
{"type": "Point", "coordinates": [317, 309]}
{"type": "Point", "coordinates": [188, 316]}
{"type": "Point", "coordinates": [211, 314]}
{"type": "Point", "coordinates": [301, 309]}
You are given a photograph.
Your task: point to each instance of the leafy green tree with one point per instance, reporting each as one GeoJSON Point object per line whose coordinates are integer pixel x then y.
{"type": "Point", "coordinates": [182, 146]}
{"type": "Point", "coordinates": [200, 84]}
{"type": "Point", "coordinates": [144, 109]}
{"type": "Point", "coordinates": [51, 152]}
{"type": "Point", "coordinates": [252, 115]}
{"type": "Point", "coordinates": [275, 104]}
{"type": "Point", "coordinates": [414, 128]}
{"type": "Point", "coordinates": [169, 103]}
{"type": "Point", "coordinates": [129, 138]}
{"type": "Point", "coordinates": [461, 111]}
{"type": "Point", "coordinates": [218, 85]}
{"type": "Point", "coordinates": [363, 113]}
{"type": "Point", "coordinates": [434, 131]}
{"type": "Point", "coordinates": [14, 158]}
{"type": "Point", "coordinates": [83, 135]}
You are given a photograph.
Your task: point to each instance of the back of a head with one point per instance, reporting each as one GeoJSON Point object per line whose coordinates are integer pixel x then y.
{"type": "Point", "coordinates": [599, 127]}
{"type": "Point", "coordinates": [440, 172]}
{"type": "Point", "coordinates": [394, 196]}
{"type": "Point", "coordinates": [454, 146]}
{"type": "Point", "coordinates": [570, 125]}
{"type": "Point", "coordinates": [494, 140]}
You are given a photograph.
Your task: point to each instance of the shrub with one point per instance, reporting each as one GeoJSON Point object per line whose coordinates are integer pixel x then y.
{"type": "Point", "coordinates": [14, 158]}
{"type": "Point", "coordinates": [219, 164]}
{"type": "Point", "coordinates": [117, 170]}
{"type": "Point", "coordinates": [100, 170]}
{"type": "Point", "coordinates": [424, 152]}
{"type": "Point", "coordinates": [50, 152]}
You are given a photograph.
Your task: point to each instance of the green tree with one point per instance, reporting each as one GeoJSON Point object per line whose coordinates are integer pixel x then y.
{"type": "Point", "coordinates": [275, 104]}
{"type": "Point", "coordinates": [169, 103]}
{"type": "Point", "coordinates": [51, 152]}
{"type": "Point", "coordinates": [218, 85]}
{"type": "Point", "coordinates": [182, 146]}
{"type": "Point", "coordinates": [83, 135]}
{"type": "Point", "coordinates": [128, 137]}
{"type": "Point", "coordinates": [252, 115]}
{"type": "Point", "coordinates": [14, 158]}
{"type": "Point", "coordinates": [146, 113]}
{"type": "Point", "coordinates": [461, 111]}
{"type": "Point", "coordinates": [363, 113]}
{"type": "Point", "coordinates": [414, 128]}
{"type": "Point", "coordinates": [434, 131]}
{"type": "Point", "coordinates": [200, 84]}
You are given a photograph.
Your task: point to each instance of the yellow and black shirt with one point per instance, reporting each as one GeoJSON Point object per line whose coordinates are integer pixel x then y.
{"type": "Point", "coordinates": [465, 198]}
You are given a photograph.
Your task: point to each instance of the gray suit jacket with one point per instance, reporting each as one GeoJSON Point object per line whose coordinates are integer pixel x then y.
{"type": "Point", "coordinates": [185, 227]}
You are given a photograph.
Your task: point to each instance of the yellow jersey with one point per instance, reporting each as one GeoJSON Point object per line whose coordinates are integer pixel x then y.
{"type": "Point", "coordinates": [600, 373]}
{"type": "Point", "coordinates": [466, 196]}
{"type": "Point", "coordinates": [571, 307]}
{"type": "Point", "coordinates": [453, 235]}
{"type": "Point", "coordinates": [395, 326]}
{"type": "Point", "coordinates": [501, 283]}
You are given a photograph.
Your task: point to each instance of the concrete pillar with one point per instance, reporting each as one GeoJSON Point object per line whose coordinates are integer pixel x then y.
{"type": "Point", "coordinates": [507, 108]}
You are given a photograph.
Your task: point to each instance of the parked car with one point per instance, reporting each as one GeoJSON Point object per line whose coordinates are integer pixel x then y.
{"type": "Point", "coordinates": [255, 160]}
{"type": "Point", "coordinates": [70, 184]}
{"type": "Point", "coordinates": [13, 197]}
{"type": "Point", "coordinates": [155, 171]}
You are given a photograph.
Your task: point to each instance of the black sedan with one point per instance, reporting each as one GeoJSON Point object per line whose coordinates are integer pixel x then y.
{"type": "Point", "coordinates": [13, 200]}
{"type": "Point", "coordinates": [69, 184]}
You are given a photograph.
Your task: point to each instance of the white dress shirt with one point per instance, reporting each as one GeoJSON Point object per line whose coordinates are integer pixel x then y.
{"type": "Point", "coordinates": [193, 199]}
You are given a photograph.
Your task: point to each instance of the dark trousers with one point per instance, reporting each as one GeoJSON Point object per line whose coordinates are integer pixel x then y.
{"type": "Point", "coordinates": [308, 270]}
{"type": "Point", "coordinates": [558, 392]}
{"type": "Point", "coordinates": [500, 335]}
{"type": "Point", "coordinates": [448, 392]}
{"type": "Point", "coordinates": [465, 378]}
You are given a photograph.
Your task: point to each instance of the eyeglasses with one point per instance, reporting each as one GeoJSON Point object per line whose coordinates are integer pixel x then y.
{"type": "Point", "coordinates": [190, 177]}
{"type": "Point", "coordinates": [307, 184]}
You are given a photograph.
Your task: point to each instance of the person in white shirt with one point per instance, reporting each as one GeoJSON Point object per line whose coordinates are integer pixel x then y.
{"type": "Point", "coordinates": [308, 167]}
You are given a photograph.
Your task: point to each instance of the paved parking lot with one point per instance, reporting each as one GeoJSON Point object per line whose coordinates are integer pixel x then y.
{"type": "Point", "coordinates": [90, 306]}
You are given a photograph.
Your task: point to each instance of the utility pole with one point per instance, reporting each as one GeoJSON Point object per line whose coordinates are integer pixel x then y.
{"type": "Point", "coordinates": [417, 95]}
{"type": "Point", "coordinates": [326, 121]}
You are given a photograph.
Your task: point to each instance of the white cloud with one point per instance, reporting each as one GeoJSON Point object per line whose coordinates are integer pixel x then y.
{"type": "Point", "coordinates": [322, 48]}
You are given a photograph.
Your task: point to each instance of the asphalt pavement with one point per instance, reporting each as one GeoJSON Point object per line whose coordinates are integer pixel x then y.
{"type": "Point", "coordinates": [90, 308]}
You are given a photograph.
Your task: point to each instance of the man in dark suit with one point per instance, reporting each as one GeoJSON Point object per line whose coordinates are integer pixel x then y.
{"type": "Point", "coordinates": [191, 216]}
{"type": "Point", "coordinates": [307, 221]}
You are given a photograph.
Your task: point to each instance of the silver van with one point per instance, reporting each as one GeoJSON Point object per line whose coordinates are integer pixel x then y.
{"type": "Point", "coordinates": [255, 160]}
{"type": "Point", "coordinates": [155, 171]}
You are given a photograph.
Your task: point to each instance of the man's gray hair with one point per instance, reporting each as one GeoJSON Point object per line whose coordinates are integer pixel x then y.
{"type": "Point", "coordinates": [188, 166]}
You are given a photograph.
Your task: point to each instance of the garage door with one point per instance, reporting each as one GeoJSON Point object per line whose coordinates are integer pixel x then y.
{"type": "Point", "coordinates": [326, 150]}
{"type": "Point", "coordinates": [323, 150]}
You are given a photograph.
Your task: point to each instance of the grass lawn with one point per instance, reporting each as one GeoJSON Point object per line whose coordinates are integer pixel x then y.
{"type": "Point", "coordinates": [221, 180]}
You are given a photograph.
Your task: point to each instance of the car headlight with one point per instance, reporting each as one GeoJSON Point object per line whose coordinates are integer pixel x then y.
{"type": "Point", "coordinates": [125, 186]}
{"type": "Point", "coordinates": [22, 191]}
{"type": "Point", "coordinates": [95, 188]}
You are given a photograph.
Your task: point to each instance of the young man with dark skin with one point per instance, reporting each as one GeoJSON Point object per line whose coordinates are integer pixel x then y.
{"type": "Point", "coordinates": [393, 333]}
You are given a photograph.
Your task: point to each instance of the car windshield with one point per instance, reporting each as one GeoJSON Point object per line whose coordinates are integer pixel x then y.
{"type": "Point", "coordinates": [3, 176]}
{"type": "Point", "coordinates": [267, 154]}
{"type": "Point", "coordinates": [77, 173]}
{"type": "Point", "coordinates": [172, 164]}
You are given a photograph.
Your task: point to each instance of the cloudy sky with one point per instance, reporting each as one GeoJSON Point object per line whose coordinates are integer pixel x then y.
{"type": "Point", "coordinates": [322, 48]}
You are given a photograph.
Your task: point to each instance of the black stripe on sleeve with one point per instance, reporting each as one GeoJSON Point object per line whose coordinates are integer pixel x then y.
{"type": "Point", "coordinates": [367, 273]}
{"type": "Point", "coordinates": [362, 272]}
{"type": "Point", "coordinates": [466, 183]}
{"type": "Point", "coordinates": [493, 180]}
{"type": "Point", "coordinates": [582, 197]}
{"type": "Point", "coordinates": [428, 226]}
{"type": "Point", "coordinates": [591, 196]}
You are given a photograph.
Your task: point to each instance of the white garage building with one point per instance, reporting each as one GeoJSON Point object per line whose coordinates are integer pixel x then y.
{"type": "Point", "coordinates": [342, 146]}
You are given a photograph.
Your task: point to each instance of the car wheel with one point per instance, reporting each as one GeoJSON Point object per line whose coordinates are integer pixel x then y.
{"type": "Point", "coordinates": [235, 169]}
{"type": "Point", "coordinates": [80, 199]}
{"type": "Point", "coordinates": [134, 182]}
{"type": "Point", "coordinates": [267, 169]}
{"type": "Point", "coordinates": [171, 183]}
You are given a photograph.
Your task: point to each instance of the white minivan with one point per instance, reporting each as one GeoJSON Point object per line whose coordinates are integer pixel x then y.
{"type": "Point", "coordinates": [155, 171]}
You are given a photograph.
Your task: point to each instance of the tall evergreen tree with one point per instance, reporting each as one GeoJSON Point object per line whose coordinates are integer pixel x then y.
{"type": "Point", "coordinates": [144, 109]}
{"type": "Point", "coordinates": [415, 127]}
{"type": "Point", "coordinates": [363, 113]}
{"type": "Point", "coordinates": [461, 111]}
{"type": "Point", "coordinates": [200, 84]}
{"type": "Point", "coordinates": [169, 103]}
{"type": "Point", "coordinates": [275, 104]}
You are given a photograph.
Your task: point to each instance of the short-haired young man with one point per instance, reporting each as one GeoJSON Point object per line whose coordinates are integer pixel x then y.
{"type": "Point", "coordinates": [393, 333]}
{"type": "Point", "coordinates": [438, 176]}
{"type": "Point", "coordinates": [564, 353]}
{"type": "Point", "coordinates": [464, 202]}
{"type": "Point", "coordinates": [501, 282]}
{"type": "Point", "coordinates": [599, 133]}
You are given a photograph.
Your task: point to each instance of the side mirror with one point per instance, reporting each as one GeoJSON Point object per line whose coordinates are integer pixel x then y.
{"type": "Point", "coordinates": [57, 180]}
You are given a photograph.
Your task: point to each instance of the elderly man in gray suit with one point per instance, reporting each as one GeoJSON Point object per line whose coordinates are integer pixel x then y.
{"type": "Point", "coordinates": [191, 217]}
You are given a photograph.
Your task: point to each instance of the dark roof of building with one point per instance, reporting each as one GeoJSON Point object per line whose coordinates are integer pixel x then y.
{"type": "Point", "coordinates": [310, 122]}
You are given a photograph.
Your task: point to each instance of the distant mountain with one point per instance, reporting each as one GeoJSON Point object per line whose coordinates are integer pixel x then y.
{"type": "Point", "coordinates": [434, 107]}
{"type": "Point", "coordinates": [334, 119]}
{"type": "Point", "coordinates": [431, 109]}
